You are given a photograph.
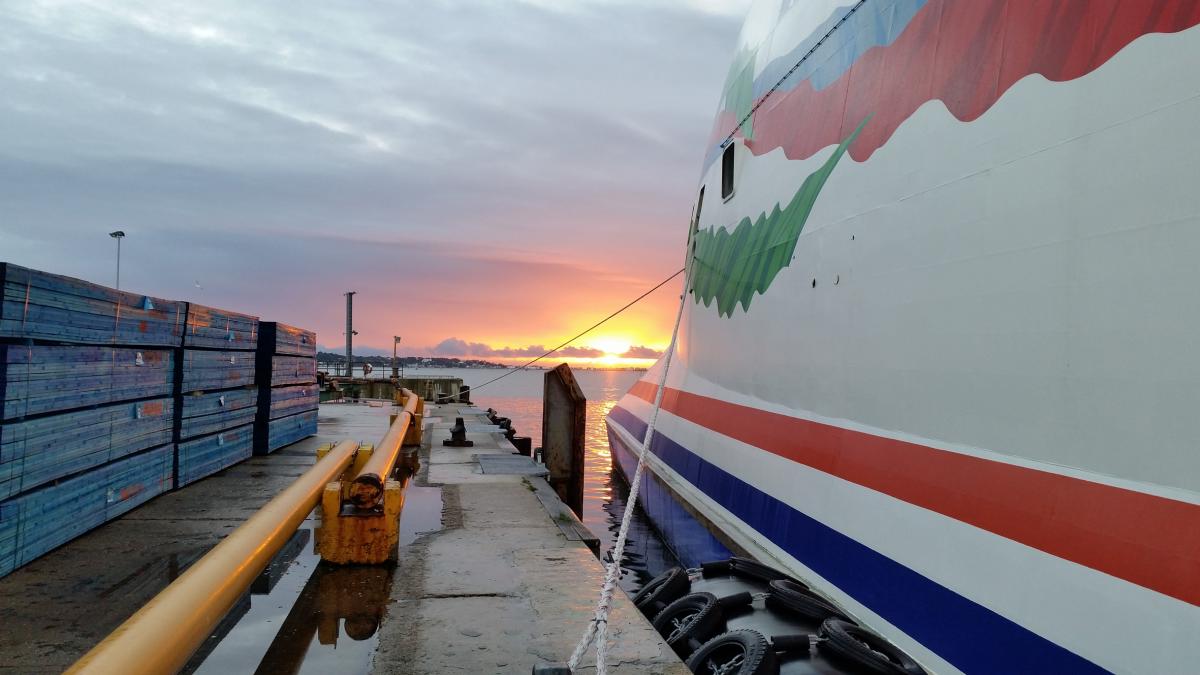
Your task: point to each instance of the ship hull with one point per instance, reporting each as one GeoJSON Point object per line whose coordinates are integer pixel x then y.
{"type": "Point", "coordinates": [937, 354]}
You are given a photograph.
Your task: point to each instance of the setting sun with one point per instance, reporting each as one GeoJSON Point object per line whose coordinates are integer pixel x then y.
{"type": "Point", "coordinates": [611, 346]}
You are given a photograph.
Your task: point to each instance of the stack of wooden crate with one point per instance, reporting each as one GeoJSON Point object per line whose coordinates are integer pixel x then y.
{"type": "Point", "coordinates": [109, 398]}
{"type": "Point", "coordinates": [288, 395]}
{"type": "Point", "coordinates": [87, 414]}
{"type": "Point", "coordinates": [218, 397]}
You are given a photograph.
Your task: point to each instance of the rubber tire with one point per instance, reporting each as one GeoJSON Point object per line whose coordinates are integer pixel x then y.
{"type": "Point", "coordinates": [869, 652]}
{"type": "Point", "coordinates": [744, 568]}
{"type": "Point", "coordinates": [758, 658]}
{"type": "Point", "coordinates": [790, 597]}
{"type": "Point", "coordinates": [705, 620]}
{"type": "Point", "coordinates": [662, 590]}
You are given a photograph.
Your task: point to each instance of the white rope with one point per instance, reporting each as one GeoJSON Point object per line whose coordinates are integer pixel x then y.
{"type": "Point", "coordinates": [597, 628]}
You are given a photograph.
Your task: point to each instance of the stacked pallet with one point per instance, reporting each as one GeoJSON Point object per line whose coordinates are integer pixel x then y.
{"type": "Point", "coordinates": [218, 398]}
{"type": "Point", "coordinates": [109, 398]}
{"type": "Point", "coordinates": [42, 306]}
{"type": "Point", "coordinates": [288, 395]}
{"type": "Point", "coordinates": [86, 407]}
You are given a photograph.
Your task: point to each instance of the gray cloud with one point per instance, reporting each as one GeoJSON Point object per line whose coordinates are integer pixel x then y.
{"type": "Point", "coordinates": [461, 348]}
{"type": "Point", "coordinates": [641, 352]}
{"type": "Point", "coordinates": [235, 141]}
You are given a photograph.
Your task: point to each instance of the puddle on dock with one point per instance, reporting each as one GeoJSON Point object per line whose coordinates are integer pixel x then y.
{"type": "Point", "coordinates": [305, 616]}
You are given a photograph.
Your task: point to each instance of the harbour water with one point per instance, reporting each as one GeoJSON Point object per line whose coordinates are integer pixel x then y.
{"type": "Point", "coordinates": [519, 397]}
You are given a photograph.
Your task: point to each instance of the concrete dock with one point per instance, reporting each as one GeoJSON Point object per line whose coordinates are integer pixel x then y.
{"type": "Point", "coordinates": [501, 583]}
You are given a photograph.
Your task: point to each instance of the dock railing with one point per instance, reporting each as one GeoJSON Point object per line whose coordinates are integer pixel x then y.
{"type": "Point", "coordinates": [162, 636]}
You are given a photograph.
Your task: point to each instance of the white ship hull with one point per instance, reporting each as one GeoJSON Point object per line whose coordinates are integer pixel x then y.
{"type": "Point", "coordinates": [964, 407]}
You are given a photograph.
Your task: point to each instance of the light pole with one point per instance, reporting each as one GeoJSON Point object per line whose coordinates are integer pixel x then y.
{"type": "Point", "coordinates": [350, 333]}
{"type": "Point", "coordinates": [118, 235]}
{"type": "Point", "coordinates": [395, 370]}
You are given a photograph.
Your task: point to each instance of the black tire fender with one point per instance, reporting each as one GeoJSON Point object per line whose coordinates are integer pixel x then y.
{"type": "Point", "coordinates": [738, 652]}
{"type": "Point", "coordinates": [689, 621]}
{"type": "Point", "coordinates": [786, 595]}
{"type": "Point", "coordinates": [662, 590]}
{"type": "Point", "coordinates": [869, 652]}
{"type": "Point", "coordinates": [744, 568]}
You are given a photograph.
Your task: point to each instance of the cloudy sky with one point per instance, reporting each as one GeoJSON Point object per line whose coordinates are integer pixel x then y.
{"type": "Point", "coordinates": [484, 174]}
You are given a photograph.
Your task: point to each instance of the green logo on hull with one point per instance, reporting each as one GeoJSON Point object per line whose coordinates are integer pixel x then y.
{"type": "Point", "coordinates": [731, 268]}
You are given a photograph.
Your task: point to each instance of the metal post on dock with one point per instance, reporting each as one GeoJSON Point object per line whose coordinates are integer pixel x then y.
{"type": "Point", "coordinates": [350, 333]}
{"type": "Point", "coordinates": [395, 368]}
{"type": "Point", "coordinates": [564, 417]}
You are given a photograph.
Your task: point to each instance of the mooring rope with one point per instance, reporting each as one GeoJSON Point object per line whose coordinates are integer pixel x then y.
{"type": "Point", "coordinates": [601, 322]}
{"type": "Point", "coordinates": [597, 628]}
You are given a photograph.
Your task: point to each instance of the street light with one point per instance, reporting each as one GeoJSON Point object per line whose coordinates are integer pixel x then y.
{"type": "Point", "coordinates": [118, 235]}
{"type": "Point", "coordinates": [395, 341]}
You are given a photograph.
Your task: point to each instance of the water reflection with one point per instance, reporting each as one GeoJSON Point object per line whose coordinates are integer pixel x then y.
{"type": "Point", "coordinates": [336, 599]}
{"type": "Point", "coordinates": [305, 616]}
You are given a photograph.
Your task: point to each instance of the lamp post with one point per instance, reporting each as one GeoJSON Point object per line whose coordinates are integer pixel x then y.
{"type": "Point", "coordinates": [395, 370]}
{"type": "Point", "coordinates": [118, 235]}
{"type": "Point", "coordinates": [350, 333]}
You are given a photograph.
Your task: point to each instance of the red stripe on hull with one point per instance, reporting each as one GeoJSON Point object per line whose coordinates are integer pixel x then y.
{"type": "Point", "coordinates": [1147, 540]}
{"type": "Point", "coordinates": [966, 54]}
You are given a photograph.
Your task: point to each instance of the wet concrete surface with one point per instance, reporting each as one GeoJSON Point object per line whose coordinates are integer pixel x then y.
{"type": "Point", "coordinates": [500, 587]}
{"type": "Point", "coordinates": [485, 581]}
{"type": "Point", "coordinates": [59, 606]}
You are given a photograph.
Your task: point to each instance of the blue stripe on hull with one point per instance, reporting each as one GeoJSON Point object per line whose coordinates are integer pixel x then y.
{"type": "Point", "coordinates": [968, 635]}
{"type": "Point", "coordinates": [689, 539]}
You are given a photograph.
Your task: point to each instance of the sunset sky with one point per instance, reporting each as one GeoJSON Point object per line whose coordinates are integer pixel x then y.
{"type": "Point", "coordinates": [484, 174]}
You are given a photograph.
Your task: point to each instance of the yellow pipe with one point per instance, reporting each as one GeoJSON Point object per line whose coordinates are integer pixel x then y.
{"type": "Point", "coordinates": [163, 635]}
{"type": "Point", "coordinates": [368, 485]}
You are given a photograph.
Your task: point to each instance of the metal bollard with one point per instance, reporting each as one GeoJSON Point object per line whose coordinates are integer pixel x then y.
{"type": "Point", "coordinates": [458, 435]}
{"type": "Point", "coordinates": [523, 444]}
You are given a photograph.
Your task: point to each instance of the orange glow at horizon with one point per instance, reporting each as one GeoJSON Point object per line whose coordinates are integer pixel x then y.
{"type": "Point", "coordinates": [537, 311]}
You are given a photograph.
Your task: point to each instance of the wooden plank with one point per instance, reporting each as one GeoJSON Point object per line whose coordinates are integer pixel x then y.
{"type": "Point", "coordinates": [42, 306]}
{"type": "Point", "coordinates": [292, 400]}
{"type": "Point", "coordinates": [274, 434]}
{"type": "Point", "coordinates": [40, 379]}
{"type": "Point", "coordinates": [37, 451]}
{"type": "Point", "coordinates": [204, 456]}
{"type": "Point", "coordinates": [208, 413]}
{"type": "Point", "coordinates": [205, 370]}
{"type": "Point", "coordinates": [36, 522]}
{"type": "Point", "coordinates": [214, 328]}
{"type": "Point", "coordinates": [287, 370]}
{"type": "Point", "coordinates": [280, 338]}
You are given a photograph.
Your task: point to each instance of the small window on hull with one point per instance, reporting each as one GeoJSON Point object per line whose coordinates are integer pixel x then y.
{"type": "Point", "coordinates": [727, 171]}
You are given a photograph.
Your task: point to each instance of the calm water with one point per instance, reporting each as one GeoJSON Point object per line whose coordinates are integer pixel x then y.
{"type": "Point", "coordinates": [519, 397]}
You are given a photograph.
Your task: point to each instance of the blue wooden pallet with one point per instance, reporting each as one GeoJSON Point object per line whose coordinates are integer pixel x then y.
{"type": "Point", "coordinates": [208, 413]}
{"type": "Point", "coordinates": [43, 306]}
{"type": "Point", "coordinates": [287, 370]}
{"type": "Point", "coordinates": [280, 338]}
{"type": "Point", "coordinates": [293, 399]}
{"type": "Point", "coordinates": [204, 456]}
{"type": "Point", "coordinates": [274, 434]}
{"type": "Point", "coordinates": [205, 370]}
{"type": "Point", "coordinates": [39, 379]}
{"type": "Point", "coordinates": [38, 521]}
{"type": "Point", "coordinates": [36, 451]}
{"type": "Point", "coordinates": [213, 328]}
